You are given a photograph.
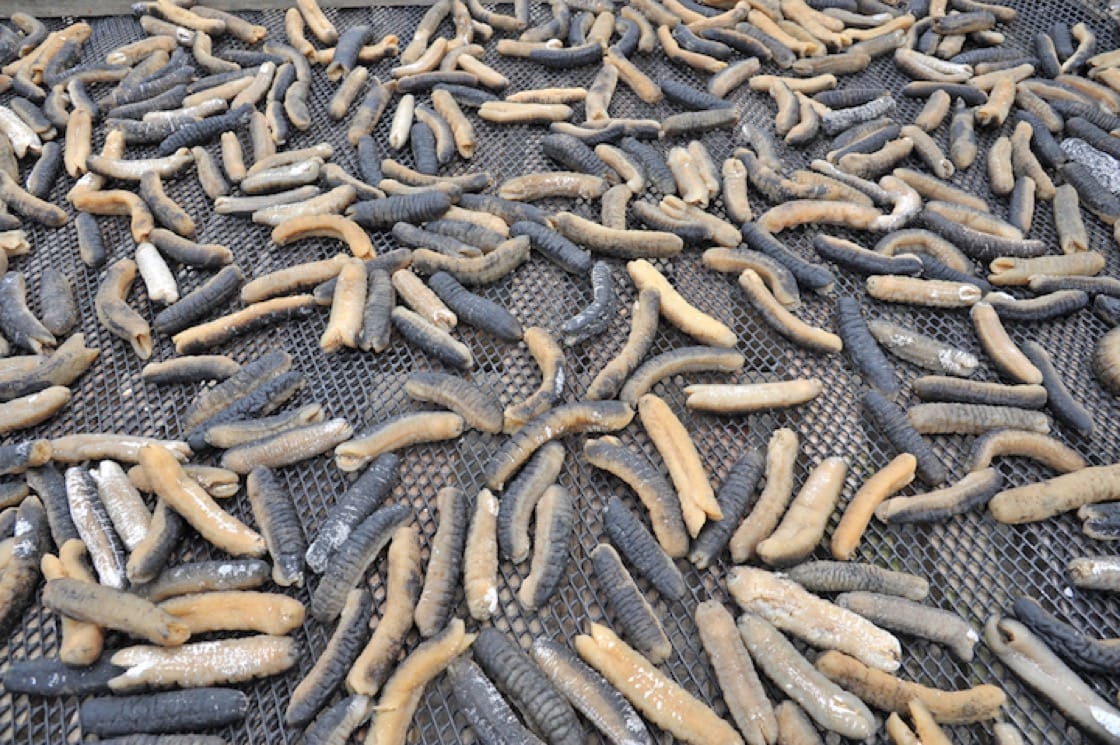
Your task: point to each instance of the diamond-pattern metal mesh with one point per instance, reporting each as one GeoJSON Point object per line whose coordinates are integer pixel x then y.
{"type": "Point", "coordinates": [975, 566]}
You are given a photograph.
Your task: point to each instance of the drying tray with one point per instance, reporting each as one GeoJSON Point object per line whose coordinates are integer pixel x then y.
{"type": "Point", "coordinates": [975, 566]}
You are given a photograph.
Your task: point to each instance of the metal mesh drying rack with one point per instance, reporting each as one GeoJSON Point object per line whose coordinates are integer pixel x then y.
{"type": "Point", "coordinates": [975, 565]}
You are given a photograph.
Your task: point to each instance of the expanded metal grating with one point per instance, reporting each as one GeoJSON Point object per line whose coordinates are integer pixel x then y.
{"type": "Point", "coordinates": [975, 566]}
